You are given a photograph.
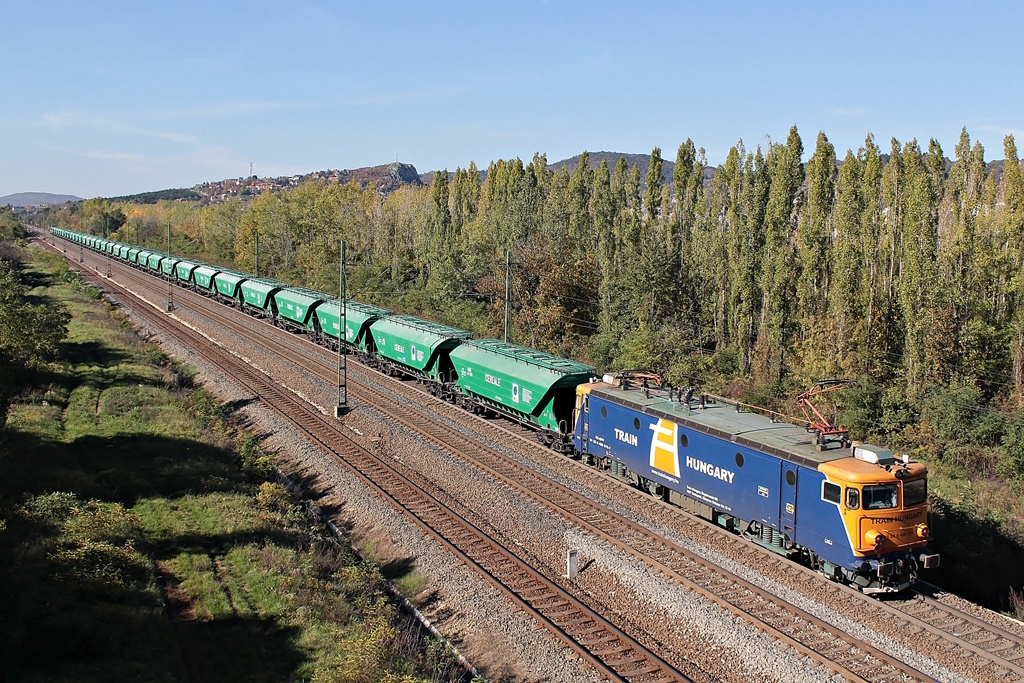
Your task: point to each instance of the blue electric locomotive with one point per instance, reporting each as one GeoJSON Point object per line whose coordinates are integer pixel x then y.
{"type": "Point", "coordinates": [857, 514]}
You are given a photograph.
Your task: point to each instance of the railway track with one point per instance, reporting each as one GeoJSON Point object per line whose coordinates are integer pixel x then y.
{"type": "Point", "coordinates": [613, 653]}
{"type": "Point", "coordinates": [988, 650]}
{"type": "Point", "coordinates": [996, 652]}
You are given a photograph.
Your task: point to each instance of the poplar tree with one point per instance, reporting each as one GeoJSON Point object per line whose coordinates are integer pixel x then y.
{"type": "Point", "coordinates": [604, 210]}
{"type": "Point", "coordinates": [967, 262]}
{"type": "Point", "coordinates": [874, 299]}
{"type": "Point", "coordinates": [1013, 222]}
{"type": "Point", "coordinates": [814, 243]}
{"type": "Point", "coordinates": [653, 191]}
{"type": "Point", "coordinates": [464, 196]}
{"type": "Point", "coordinates": [749, 256]}
{"type": "Point", "coordinates": [918, 284]}
{"type": "Point", "coordinates": [443, 243]}
{"type": "Point", "coordinates": [724, 252]}
{"type": "Point", "coordinates": [846, 309]}
{"type": "Point", "coordinates": [581, 222]}
{"type": "Point", "coordinates": [687, 183]}
{"type": "Point", "coordinates": [814, 234]}
{"type": "Point", "coordinates": [778, 274]}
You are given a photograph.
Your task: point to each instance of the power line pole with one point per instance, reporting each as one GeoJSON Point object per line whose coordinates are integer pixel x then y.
{"type": "Point", "coordinates": [106, 235]}
{"type": "Point", "coordinates": [342, 406]}
{"type": "Point", "coordinates": [170, 285]}
{"type": "Point", "coordinates": [508, 288]}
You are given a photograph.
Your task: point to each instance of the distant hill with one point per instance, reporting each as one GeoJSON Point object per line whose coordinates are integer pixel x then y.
{"type": "Point", "coordinates": [154, 197]}
{"type": "Point", "coordinates": [612, 158]}
{"type": "Point", "coordinates": [20, 199]}
{"type": "Point", "coordinates": [641, 160]}
{"type": "Point", "coordinates": [383, 179]}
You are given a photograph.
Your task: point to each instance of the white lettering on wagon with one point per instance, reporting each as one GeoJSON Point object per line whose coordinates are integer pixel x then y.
{"type": "Point", "coordinates": [710, 470]}
{"type": "Point", "coordinates": [491, 379]}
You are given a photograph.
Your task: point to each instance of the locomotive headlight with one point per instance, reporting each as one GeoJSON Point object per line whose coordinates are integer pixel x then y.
{"type": "Point", "coordinates": [923, 531]}
{"type": "Point", "coordinates": [874, 538]}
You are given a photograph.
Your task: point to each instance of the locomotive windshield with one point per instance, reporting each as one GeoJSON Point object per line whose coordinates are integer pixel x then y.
{"type": "Point", "coordinates": [915, 492]}
{"type": "Point", "coordinates": [880, 497]}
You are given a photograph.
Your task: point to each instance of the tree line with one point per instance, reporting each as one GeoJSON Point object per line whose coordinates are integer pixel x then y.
{"type": "Point", "coordinates": [901, 268]}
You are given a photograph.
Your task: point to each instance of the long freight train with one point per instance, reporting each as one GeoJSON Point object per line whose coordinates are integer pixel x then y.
{"type": "Point", "coordinates": [854, 512]}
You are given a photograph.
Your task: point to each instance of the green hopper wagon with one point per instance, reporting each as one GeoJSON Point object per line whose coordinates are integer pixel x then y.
{"type": "Point", "coordinates": [168, 265]}
{"type": "Point", "coordinates": [529, 386]}
{"type": "Point", "coordinates": [183, 270]}
{"type": "Point", "coordinates": [227, 283]}
{"type": "Point", "coordinates": [358, 318]}
{"type": "Point", "coordinates": [154, 262]}
{"type": "Point", "coordinates": [295, 307]}
{"type": "Point", "coordinates": [203, 277]}
{"type": "Point", "coordinates": [417, 347]}
{"type": "Point", "coordinates": [258, 296]}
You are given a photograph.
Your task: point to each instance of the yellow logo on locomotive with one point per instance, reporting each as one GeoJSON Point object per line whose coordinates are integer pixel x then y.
{"type": "Point", "coordinates": [665, 448]}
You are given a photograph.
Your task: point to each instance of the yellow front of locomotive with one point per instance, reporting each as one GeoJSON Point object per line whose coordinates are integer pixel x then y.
{"type": "Point", "coordinates": [884, 505]}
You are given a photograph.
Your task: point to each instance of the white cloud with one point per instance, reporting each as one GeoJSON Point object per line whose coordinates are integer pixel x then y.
{"type": "Point", "coordinates": [1017, 133]}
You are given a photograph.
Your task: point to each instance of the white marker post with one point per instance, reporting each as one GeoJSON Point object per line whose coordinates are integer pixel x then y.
{"type": "Point", "coordinates": [572, 561]}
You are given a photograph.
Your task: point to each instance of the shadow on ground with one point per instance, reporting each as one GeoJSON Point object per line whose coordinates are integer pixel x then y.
{"type": "Point", "coordinates": [74, 608]}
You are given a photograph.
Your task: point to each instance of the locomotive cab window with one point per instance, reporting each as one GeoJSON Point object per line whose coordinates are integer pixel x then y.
{"type": "Point", "coordinates": [852, 498]}
{"type": "Point", "coordinates": [915, 492]}
{"type": "Point", "coordinates": [831, 492]}
{"type": "Point", "coordinates": [880, 497]}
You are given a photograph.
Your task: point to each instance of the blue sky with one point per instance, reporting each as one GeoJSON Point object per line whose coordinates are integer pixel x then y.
{"type": "Point", "coordinates": [111, 98]}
